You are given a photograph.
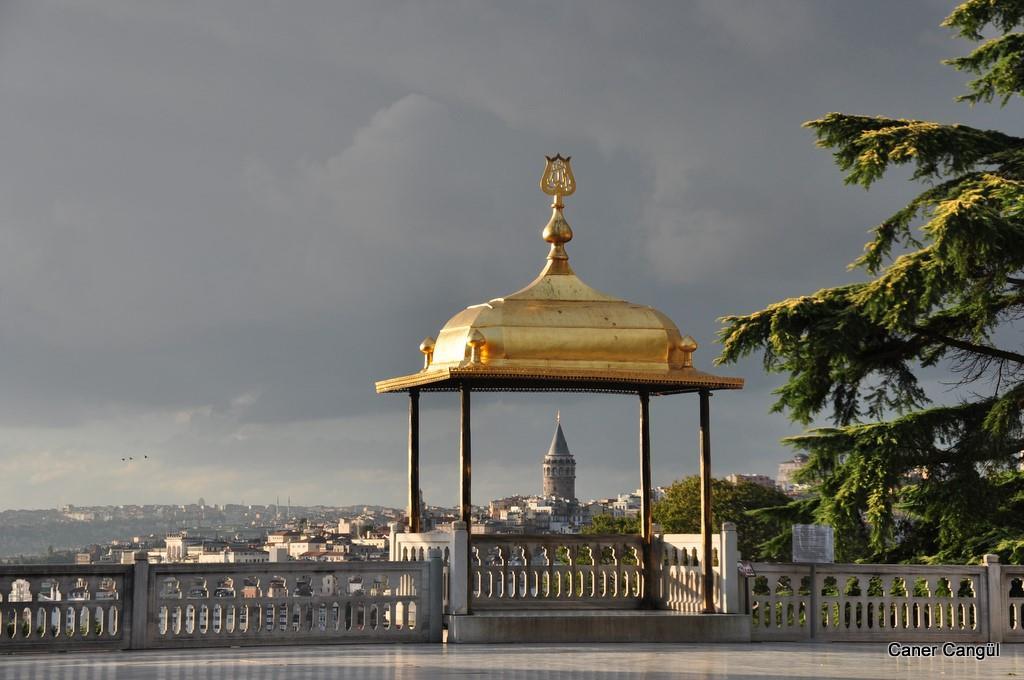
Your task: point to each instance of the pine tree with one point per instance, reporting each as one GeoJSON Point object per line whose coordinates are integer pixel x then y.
{"type": "Point", "coordinates": [900, 476]}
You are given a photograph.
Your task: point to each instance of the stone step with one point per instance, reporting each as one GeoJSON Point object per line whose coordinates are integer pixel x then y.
{"type": "Point", "coordinates": [597, 626]}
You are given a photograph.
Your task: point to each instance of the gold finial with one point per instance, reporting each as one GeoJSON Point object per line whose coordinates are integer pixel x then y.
{"type": "Point", "coordinates": [687, 345]}
{"type": "Point", "coordinates": [558, 179]}
{"type": "Point", "coordinates": [475, 343]}
{"type": "Point", "coordinates": [558, 416]}
{"type": "Point", "coordinates": [427, 347]}
{"type": "Point", "coordinates": [557, 182]}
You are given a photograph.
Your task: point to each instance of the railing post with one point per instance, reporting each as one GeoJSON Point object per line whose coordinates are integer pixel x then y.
{"type": "Point", "coordinates": [660, 591]}
{"type": "Point", "coordinates": [996, 612]}
{"type": "Point", "coordinates": [458, 570]}
{"type": "Point", "coordinates": [435, 592]}
{"type": "Point", "coordinates": [728, 557]}
{"type": "Point", "coordinates": [393, 553]}
{"type": "Point", "coordinates": [140, 602]}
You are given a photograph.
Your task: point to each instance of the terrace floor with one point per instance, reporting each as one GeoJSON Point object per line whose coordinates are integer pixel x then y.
{"type": "Point", "coordinates": [755, 661]}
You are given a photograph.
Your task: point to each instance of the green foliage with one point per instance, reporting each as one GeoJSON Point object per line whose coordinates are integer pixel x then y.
{"type": "Point", "coordinates": [998, 62]}
{"type": "Point", "coordinates": [986, 516]}
{"type": "Point", "coordinates": [609, 524]}
{"type": "Point", "coordinates": [945, 287]}
{"type": "Point", "coordinates": [679, 512]}
{"type": "Point", "coordinates": [781, 518]}
{"type": "Point", "coordinates": [745, 504]}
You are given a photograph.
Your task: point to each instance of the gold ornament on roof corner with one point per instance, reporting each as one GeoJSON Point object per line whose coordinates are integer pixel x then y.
{"type": "Point", "coordinates": [475, 343]}
{"type": "Point", "coordinates": [558, 182]}
{"type": "Point", "coordinates": [427, 348]}
{"type": "Point", "coordinates": [687, 346]}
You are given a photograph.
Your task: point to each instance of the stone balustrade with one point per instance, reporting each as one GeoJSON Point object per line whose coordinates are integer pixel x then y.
{"type": "Point", "coordinates": [1010, 601]}
{"type": "Point", "coordinates": [866, 602]}
{"type": "Point", "coordinates": [682, 577]}
{"type": "Point", "coordinates": [556, 571]}
{"type": "Point", "coordinates": [410, 547]}
{"type": "Point", "coordinates": [63, 607]}
{"type": "Point", "coordinates": [144, 606]}
{"type": "Point", "coordinates": [679, 584]}
{"type": "Point", "coordinates": [209, 605]}
{"type": "Point", "coordinates": [147, 606]}
{"type": "Point", "coordinates": [778, 599]}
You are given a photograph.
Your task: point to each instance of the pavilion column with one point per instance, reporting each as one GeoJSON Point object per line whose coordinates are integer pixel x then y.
{"type": "Point", "coordinates": [646, 523]}
{"type": "Point", "coordinates": [706, 530]}
{"type": "Point", "coordinates": [465, 462]}
{"type": "Point", "coordinates": [415, 520]}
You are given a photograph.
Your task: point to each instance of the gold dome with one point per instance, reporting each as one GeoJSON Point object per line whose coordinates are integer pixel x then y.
{"type": "Point", "coordinates": [558, 330]}
{"type": "Point", "coordinates": [558, 321]}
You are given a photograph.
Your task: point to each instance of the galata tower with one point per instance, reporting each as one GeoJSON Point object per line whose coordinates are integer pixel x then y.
{"type": "Point", "coordinates": [559, 466]}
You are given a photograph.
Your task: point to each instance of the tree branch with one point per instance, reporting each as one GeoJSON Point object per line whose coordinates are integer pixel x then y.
{"type": "Point", "coordinates": [993, 352]}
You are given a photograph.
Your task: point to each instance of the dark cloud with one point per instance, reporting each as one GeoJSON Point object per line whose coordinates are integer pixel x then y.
{"type": "Point", "coordinates": [222, 221]}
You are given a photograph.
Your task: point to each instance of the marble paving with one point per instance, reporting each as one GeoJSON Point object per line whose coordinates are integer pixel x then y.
{"type": "Point", "coordinates": [398, 662]}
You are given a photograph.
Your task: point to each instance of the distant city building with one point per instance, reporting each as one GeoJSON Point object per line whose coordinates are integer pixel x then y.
{"type": "Point", "coordinates": [178, 545]}
{"type": "Point", "coordinates": [559, 467]}
{"type": "Point", "coordinates": [626, 505]}
{"type": "Point", "coordinates": [278, 552]}
{"type": "Point", "coordinates": [760, 480]}
{"type": "Point", "coordinates": [21, 591]}
{"type": "Point", "coordinates": [787, 469]}
{"type": "Point", "coordinates": [531, 515]}
{"type": "Point", "coordinates": [282, 536]}
{"type": "Point", "coordinates": [200, 532]}
{"type": "Point", "coordinates": [245, 555]}
{"type": "Point", "coordinates": [371, 549]}
{"type": "Point", "coordinates": [329, 556]}
{"type": "Point", "coordinates": [309, 545]}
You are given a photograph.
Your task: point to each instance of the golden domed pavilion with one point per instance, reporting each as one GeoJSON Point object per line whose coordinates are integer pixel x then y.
{"type": "Point", "coordinates": [559, 334]}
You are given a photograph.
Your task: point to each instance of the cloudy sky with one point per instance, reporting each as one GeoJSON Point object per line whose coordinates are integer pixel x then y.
{"type": "Point", "coordinates": [220, 222]}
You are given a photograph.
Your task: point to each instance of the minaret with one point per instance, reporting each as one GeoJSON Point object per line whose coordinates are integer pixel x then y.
{"type": "Point", "coordinates": [559, 466]}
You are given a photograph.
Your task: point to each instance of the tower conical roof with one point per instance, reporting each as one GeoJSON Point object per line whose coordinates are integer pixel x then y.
{"type": "Point", "coordinates": [559, 447]}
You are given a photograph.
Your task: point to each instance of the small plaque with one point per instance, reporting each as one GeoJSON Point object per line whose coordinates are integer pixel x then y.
{"type": "Point", "coordinates": [746, 568]}
{"type": "Point", "coordinates": [813, 544]}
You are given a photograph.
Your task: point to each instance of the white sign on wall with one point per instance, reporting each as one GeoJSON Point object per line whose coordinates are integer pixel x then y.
{"type": "Point", "coordinates": [813, 544]}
